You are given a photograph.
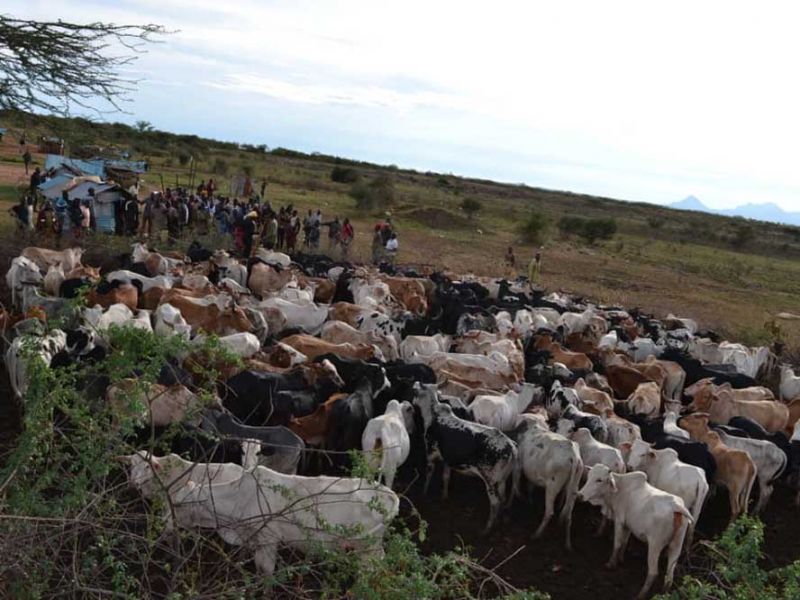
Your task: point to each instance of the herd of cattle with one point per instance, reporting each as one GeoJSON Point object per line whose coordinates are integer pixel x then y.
{"type": "Point", "coordinates": [484, 376]}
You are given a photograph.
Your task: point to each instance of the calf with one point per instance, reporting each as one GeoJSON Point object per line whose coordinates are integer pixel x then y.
{"type": "Point", "coordinates": [653, 516]}
{"type": "Point", "coordinates": [558, 405]}
{"type": "Point", "coordinates": [597, 453]}
{"type": "Point", "coordinates": [666, 472]}
{"type": "Point", "coordinates": [769, 460]}
{"type": "Point", "coordinates": [735, 469]}
{"type": "Point", "coordinates": [385, 439]}
{"type": "Point", "coordinates": [313, 347]}
{"type": "Point", "coordinates": [469, 448]}
{"type": "Point", "coordinates": [550, 461]}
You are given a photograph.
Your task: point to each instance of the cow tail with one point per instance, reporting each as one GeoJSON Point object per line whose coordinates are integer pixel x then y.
{"type": "Point", "coordinates": [373, 450]}
{"type": "Point", "coordinates": [516, 474]}
{"type": "Point", "coordinates": [573, 485]}
{"type": "Point", "coordinates": [779, 473]}
{"type": "Point", "coordinates": [744, 501]}
{"type": "Point", "coordinates": [678, 517]}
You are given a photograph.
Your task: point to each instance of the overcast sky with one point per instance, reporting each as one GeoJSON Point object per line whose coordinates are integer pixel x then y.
{"type": "Point", "coordinates": [632, 100]}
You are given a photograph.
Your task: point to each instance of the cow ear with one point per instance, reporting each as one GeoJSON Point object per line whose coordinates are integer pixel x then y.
{"type": "Point", "coordinates": [651, 453]}
{"type": "Point", "coordinates": [625, 446]}
{"type": "Point", "coordinates": [125, 459]}
{"type": "Point", "coordinates": [612, 481]}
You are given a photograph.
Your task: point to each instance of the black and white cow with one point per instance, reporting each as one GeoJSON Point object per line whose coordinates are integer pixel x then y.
{"type": "Point", "coordinates": [561, 403]}
{"type": "Point", "coordinates": [469, 448]}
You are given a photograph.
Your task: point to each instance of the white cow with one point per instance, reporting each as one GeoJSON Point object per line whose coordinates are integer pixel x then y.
{"type": "Point", "coordinates": [23, 271]}
{"type": "Point", "coordinates": [550, 461]}
{"type": "Point", "coordinates": [168, 320]}
{"type": "Point", "coordinates": [597, 453]}
{"type": "Point", "coordinates": [667, 473]}
{"type": "Point", "coordinates": [501, 412]}
{"type": "Point", "coordinates": [424, 345]}
{"type": "Point", "coordinates": [161, 281]}
{"type": "Point", "coordinates": [790, 384]}
{"type": "Point", "coordinates": [385, 439]}
{"type": "Point", "coordinates": [44, 347]}
{"type": "Point", "coordinates": [274, 258]}
{"type": "Point", "coordinates": [53, 279]}
{"type": "Point", "coordinates": [262, 509]}
{"type": "Point", "coordinates": [243, 343]}
{"type": "Point", "coordinates": [641, 348]}
{"type": "Point", "coordinates": [653, 516]}
{"type": "Point", "coordinates": [671, 426]}
{"type": "Point", "coordinates": [308, 315]}
{"type": "Point", "coordinates": [118, 314]}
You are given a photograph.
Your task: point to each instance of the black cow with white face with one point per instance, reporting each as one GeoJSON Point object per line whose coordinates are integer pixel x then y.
{"type": "Point", "coordinates": [467, 447]}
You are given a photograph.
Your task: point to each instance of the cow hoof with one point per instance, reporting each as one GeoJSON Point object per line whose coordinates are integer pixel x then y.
{"type": "Point", "coordinates": [611, 565]}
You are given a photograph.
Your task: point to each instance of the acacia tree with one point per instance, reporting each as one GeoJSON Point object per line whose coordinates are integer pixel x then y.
{"type": "Point", "coordinates": [52, 66]}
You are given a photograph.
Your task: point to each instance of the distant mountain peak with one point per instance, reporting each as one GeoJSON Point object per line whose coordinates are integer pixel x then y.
{"type": "Point", "coordinates": [689, 203]}
{"type": "Point", "coordinates": [766, 211]}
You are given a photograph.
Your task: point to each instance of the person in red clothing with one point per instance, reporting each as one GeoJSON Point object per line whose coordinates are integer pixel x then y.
{"type": "Point", "coordinates": [346, 237]}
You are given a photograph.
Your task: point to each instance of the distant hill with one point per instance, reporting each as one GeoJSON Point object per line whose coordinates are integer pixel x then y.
{"type": "Point", "coordinates": [767, 211]}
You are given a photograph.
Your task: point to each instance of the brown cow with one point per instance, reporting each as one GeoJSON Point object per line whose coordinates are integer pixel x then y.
{"type": "Point", "coordinates": [721, 406]}
{"type": "Point", "coordinates": [735, 469]}
{"type": "Point", "coordinates": [313, 347]}
{"type": "Point", "coordinates": [624, 380]}
{"type": "Point", "coordinates": [125, 293]}
{"type": "Point", "coordinates": [83, 271]}
{"type": "Point", "coordinates": [348, 312]}
{"type": "Point", "coordinates": [409, 291]}
{"type": "Point", "coordinates": [210, 317]}
{"type": "Point", "coordinates": [314, 428]}
{"type": "Point", "coordinates": [265, 279]}
{"type": "Point", "coordinates": [572, 360]}
{"type": "Point", "coordinates": [794, 416]}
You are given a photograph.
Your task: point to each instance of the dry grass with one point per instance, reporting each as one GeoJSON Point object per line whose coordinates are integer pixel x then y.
{"type": "Point", "coordinates": [734, 292]}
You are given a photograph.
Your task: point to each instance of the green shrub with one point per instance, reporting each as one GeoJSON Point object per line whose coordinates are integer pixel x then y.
{"type": "Point", "coordinates": [732, 569]}
{"type": "Point", "coordinates": [471, 206]}
{"type": "Point", "coordinates": [374, 195]}
{"type": "Point", "coordinates": [220, 167]}
{"type": "Point", "coordinates": [184, 158]}
{"type": "Point", "coordinates": [590, 230]}
{"type": "Point", "coordinates": [534, 229]}
{"type": "Point", "coordinates": [341, 174]}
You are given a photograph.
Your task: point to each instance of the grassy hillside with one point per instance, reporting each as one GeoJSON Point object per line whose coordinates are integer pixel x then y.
{"type": "Point", "coordinates": [729, 273]}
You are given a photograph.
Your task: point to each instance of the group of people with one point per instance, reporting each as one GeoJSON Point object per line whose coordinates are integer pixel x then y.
{"type": "Point", "coordinates": [384, 243]}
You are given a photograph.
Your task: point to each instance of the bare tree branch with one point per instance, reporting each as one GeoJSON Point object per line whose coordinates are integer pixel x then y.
{"type": "Point", "coordinates": [54, 66]}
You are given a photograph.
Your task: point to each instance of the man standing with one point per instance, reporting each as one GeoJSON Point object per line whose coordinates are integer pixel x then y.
{"type": "Point", "coordinates": [510, 263]}
{"type": "Point", "coordinates": [26, 158]}
{"type": "Point", "coordinates": [535, 269]}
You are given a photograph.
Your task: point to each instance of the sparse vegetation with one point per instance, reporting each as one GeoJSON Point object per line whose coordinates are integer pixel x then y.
{"type": "Point", "coordinates": [374, 195]}
{"type": "Point", "coordinates": [471, 206]}
{"type": "Point", "coordinates": [341, 174]}
{"type": "Point", "coordinates": [590, 230]}
{"type": "Point", "coordinates": [534, 228]}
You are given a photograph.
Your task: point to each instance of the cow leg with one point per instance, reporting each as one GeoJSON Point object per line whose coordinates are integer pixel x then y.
{"type": "Point", "coordinates": [429, 468]}
{"type": "Point", "coordinates": [674, 551]}
{"type": "Point", "coordinates": [495, 503]}
{"type": "Point", "coordinates": [265, 558]}
{"type": "Point", "coordinates": [653, 554]}
{"type": "Point", "coordinates": [446, 471]}
{"type": "Point", "coordinates": [601, 527]}
{"type": "Point", "coordinates": [619, 542]}
{"type": "Point", "coordinates": [570, 496]}
{"type": "Point", "coordinates": [550, 493]}
{"type": "Point", "coordinates": [764, 493]}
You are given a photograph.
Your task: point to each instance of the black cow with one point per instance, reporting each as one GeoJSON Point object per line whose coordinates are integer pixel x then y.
{"type": "Point", "coordinates": [252, 396]}
{"type": "Point", "coordinates": [353, 370]}
{"type": "Point", "coordinates": [281, 448]}
{"type": "Point", "coordinates": [348, 418]}
{"type": "Point", "coordinates": [693, 453]}
{"type": "Point", "coordinates": [696, 370]}
{"type": "Point", "coordinates": [69, 288]}
{"type": "Point", "coordinates": [467, 447]}
{"type": "Point", "coordinates": [560, 406]}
